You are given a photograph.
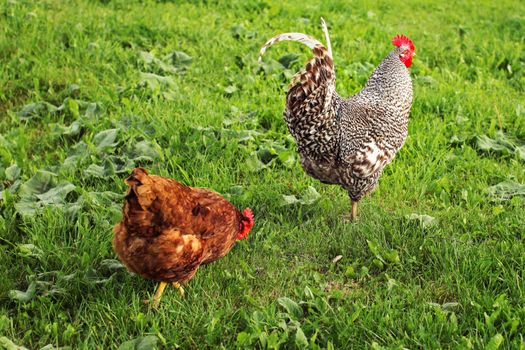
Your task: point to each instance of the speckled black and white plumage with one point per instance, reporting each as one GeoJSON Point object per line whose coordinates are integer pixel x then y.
{"type": "Point", "coordinates": [347, 141]}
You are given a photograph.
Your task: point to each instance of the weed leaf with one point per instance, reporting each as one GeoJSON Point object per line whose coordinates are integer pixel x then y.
{"type": "Point", "coordinates": [179, 59]}
{"type": "Point", "coordinates": [300, 339]}
{"type": "Point", "coordinates": [105, 140]}
{"type": "Point", "coordinates": [41, 182]}
{"type": "Point", "coordinates": [140, 343]}
{"type": "Point", "coordinates": [501, 144]}
{"type": "Point", "coordinates": [12, 173]}
{"type": "Point", "coordinates": [21, 296]}
{"type": "Point", "coordinates": [36, 109]}
{"type": "Point", "coordinates": [495, 342]}
{"type": "Point", "coordinates": [506, 190]}
{"type": "Point", "coordinates": [309, 197]}
{"type": "Point", "coordinates": [426, 221]}
{"type": "Point", "coordinates": [7, 344]}
{"type": "Point", "coordinates": [292, 308]}
{"type": "Point", "coordinates": [56, 195]}
{"type": "Point", "coordinates": [145, 151]}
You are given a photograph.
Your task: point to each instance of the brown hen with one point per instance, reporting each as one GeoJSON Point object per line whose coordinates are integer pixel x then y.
{"type": "Point", "coordinates": [169, 229]}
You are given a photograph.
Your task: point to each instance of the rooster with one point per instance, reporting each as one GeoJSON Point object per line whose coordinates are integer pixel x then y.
{"type": "Point", "coordinates": [348, 141]}
{"type": "Point", "coordinates": [168, 230]}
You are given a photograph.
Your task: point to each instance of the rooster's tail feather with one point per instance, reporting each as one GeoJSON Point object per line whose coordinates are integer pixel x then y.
{"type": "Point", "coordinates": [299, 37]}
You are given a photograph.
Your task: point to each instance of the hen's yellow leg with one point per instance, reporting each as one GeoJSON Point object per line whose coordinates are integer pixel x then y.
{"type": "Point", "coordinates": [158, 294]}
{"type": "Point", "coordinates": [179, 287]}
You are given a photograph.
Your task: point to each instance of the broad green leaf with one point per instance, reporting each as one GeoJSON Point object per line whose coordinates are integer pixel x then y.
{"type": "Point", "coordinates": [95, 170]}
{"type": "Point", "coordinates": [145, 150]}
{"type": "Point", "coordinates": [7, 344]}
{"type": "Point", "coordinates": [266, 155]}
{"type": "Point", "coordinates": [495, 342]}
{"type": "Point", "coordinates": [425, 220]}
{"type": "Point", "coordinates": [289, 59]}
{"type": "Point", "coordinates": [243, 339]}
{"type": "Point", "coordinates": [118, 165]}
{"type": "Point", "coordinates": [106, 140]}
{"type": "Point", "coordinates": [485, 143]}
{"type": "Point", "coordinates": [230, 90]}
{"type": "Point", "coordinates": [240, 32]}
{"type": "Point", "coordinates": [287, 158]}
{"type": "Point", "coordinates": [273, 340]}
{"type": "Point", "coordinates": [26, 206]}
{"type": "Point", "coordinates": [506, 190]}
{"type": "Point", "coordinates": [36, 109]}
{"type": "Point", "coordinates": [112, 264]}
{"type": "Point", "coordinates": [179, 59]}
{"type": "Point", "coordinates": [373, 247]}
{"type": "Point", "coordinates": [290, 199]}
{"type": "Point", "coordinates": [29, 250]}
{"type": "Point", "coordinates": [80, 148]}
{"type": "Point", "coordinates": [71, 161]}
{"type": "Point", "coordinates": [140, 343]}
{"type": "Point", "coordinates": [146, 57]}
{"type": "Point", "coordinates": [41, 191]}
{"type": "Point", "coordinates": [73, 107]}
{"type": "Point", "coordinates": [41, 182]}
{"type": "Point", "coordinates": [521, 152]}
{"type": "Point", "coordinates": [300, 339]}
{"type": "Point", "coordinates": [73, 89]}
{"type": "Point", "coordinates": [12, 173]}
{"type": "Point", "coordinates": [292, 308]}
{"type": "Point", "coordinates": [154, 80]}
{"type": "Point", "coordinates": [155, 64]}
{"type": "Point", "coordinates": [92, 109]}
{"type": "Point", "coordinates": [253, 163]}
{"type": "Point", "coordinates": [310, 196]}
{"type": "Point", "coordinates": [71, 210]}
{"type": "Point", "coordinates": [102, 199]}
{"type": "Point", "coordinates": [236, 190]}
{"type": "Point", "coordinates": [392, 256]}
{"type": "Point", "coordinates": [56, 195]}
{"type": "Point", "coordinates": [240, 135]}
{"type": "Point", "coordinates": [270, 66]}
{"type": "Point", "coordinates": [21, 296]}
{"type": "Point", "coordinates": [502, 144]}
{"type": "Point", "coordinates": [71, 130]}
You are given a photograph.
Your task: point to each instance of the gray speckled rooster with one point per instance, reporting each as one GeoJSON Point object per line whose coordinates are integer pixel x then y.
{"type": "Point", "coordinates": [348, 141]}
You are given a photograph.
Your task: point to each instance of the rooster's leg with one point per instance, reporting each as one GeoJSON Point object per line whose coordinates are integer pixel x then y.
{"type": "Point", "coordinates": [353, 216]}
{"type": "Point", "coordinates": [158, 294]}
{"type": "Point", "coordinates": [179, 287]}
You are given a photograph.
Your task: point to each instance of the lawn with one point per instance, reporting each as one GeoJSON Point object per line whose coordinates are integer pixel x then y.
{"type": "Point", "coordinates": [90, 89]}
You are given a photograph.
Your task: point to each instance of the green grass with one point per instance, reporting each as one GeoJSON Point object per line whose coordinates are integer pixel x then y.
{"type": "Point", "coordinates": [454, 282]}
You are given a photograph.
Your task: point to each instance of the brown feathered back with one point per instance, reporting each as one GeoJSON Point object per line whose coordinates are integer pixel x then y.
{"type": "Point", "coordinates": [169, 229]}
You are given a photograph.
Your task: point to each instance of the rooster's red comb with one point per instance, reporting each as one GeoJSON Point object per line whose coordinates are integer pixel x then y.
{"type": "Point", "coordinates": [402, 40]}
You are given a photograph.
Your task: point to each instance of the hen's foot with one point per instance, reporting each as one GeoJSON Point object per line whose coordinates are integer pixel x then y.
{"type": "Point", "coordinates": [158, 295]}
{"type": "Point", "coordinates": [179, 287]}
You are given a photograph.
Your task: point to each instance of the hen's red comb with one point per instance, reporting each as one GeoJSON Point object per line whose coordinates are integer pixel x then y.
{"type": "Point", "coordinates": [402, 40]}
{"type": "Point", "coordinates": [249, 215]}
